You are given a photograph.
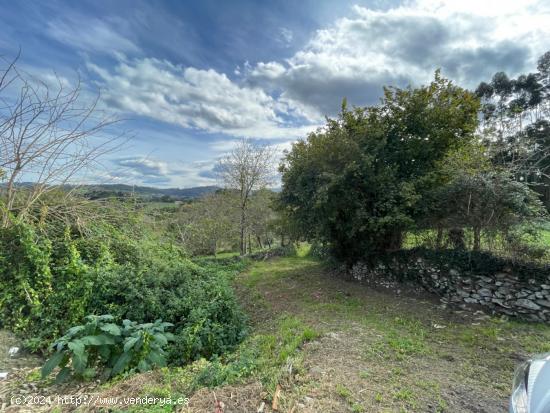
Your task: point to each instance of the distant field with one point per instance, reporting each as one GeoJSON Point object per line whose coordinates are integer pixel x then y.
{"type": "Point", "coordinates": [540, 240]}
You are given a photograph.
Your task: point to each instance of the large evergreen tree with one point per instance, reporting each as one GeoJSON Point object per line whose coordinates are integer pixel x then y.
{"type": "Point", "coordinates": [359, 182]}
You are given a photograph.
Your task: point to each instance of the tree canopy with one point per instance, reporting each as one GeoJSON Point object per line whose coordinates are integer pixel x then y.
{"type": "Point", "coordinates": [360, 182]}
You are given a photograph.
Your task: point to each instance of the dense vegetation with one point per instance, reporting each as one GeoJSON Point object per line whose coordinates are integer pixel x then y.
{"type": "Point", "coordinates": [420, 162]}
{"type": "Point", "coordinates": [52, 277]}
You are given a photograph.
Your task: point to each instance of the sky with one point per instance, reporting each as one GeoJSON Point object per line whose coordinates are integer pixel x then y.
{"type": "Point", "coordinates": [190, 78]}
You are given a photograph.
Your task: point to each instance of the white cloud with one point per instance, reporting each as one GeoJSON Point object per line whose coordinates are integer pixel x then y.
{"type": "Point", "coordinates": [357, 55]}
{"type": "Point", "coordinates": [146, 170]}
{"type": "Point", "coordinates": [194, 98]}
{"type": "Point", "coordinates": [91, 35]}
{"type": "Point", "coordinates": [145, 166]}
{"type": "Point", "coordinates": [285, 36]}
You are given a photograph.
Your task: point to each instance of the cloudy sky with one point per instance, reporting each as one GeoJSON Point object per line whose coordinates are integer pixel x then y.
{"type": "Point", "coordinates": [191, 77]}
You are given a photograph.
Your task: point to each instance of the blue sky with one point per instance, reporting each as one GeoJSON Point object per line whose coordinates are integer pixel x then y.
{"type": "Point", "coordinates": [191, 77]}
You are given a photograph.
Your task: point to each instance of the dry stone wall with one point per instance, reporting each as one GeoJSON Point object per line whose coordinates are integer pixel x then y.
{"type": "Point", "coordinates": [502, 292]}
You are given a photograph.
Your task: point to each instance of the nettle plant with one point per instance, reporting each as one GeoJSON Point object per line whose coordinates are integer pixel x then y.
{"type": "Point", "coordinates": [101, 347]}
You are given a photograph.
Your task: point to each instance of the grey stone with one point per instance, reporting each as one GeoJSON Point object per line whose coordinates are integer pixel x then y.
{"type": "Point", "coordinates": [453, 272]}
{"type": "Point", "coordinates": [527, 304]}
{"type": "Point", "coordinates": [485, 292]}
{"type": "Point", "coordinates": [544, 303]}
{"type": "Point", "coordinates": [500, 303]}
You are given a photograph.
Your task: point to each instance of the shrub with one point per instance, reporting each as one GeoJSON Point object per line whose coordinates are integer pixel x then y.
{"type": "Point", "coordinates": [198, 301]}
{"type": "Point", "coordinates": [48, 283]}
{"type": "Point", "coordinates": [44, 286]}
{"type": "Point", "coordinates": [100, 346]}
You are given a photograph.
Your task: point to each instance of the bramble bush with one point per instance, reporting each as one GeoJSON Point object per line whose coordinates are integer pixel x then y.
{"type": "Point", "coordinates": [50, 280]}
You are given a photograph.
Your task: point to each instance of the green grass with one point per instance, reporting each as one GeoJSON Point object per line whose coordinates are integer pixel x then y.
{"type": "Point", "coordinates": [260, 356]}
{"type": "Point", "coordinates": [401, 361]}
{"type": "Point", "coordinates": [540, 239]}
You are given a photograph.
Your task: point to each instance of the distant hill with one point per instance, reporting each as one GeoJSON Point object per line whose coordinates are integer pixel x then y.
{"type": "Point", "coordinates": [161, 194]}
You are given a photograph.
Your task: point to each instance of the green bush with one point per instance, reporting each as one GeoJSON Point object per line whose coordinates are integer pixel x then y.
{"type": "Point", "coordinates": [100, 346]}
{"type": "Point", "coordinates": [49, 282]}
{"type": "Point", "coordinates": [198, 301]}
{"type": "Point", "coordinates": [44, 286]}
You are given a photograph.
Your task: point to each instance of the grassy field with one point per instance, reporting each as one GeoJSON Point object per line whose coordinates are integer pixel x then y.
{"type": "Point", "coordinates": [322, 344]}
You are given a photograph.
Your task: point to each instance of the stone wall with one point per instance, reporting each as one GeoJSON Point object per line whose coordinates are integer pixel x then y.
{"type": "Point", "coordinates": [503, 292]}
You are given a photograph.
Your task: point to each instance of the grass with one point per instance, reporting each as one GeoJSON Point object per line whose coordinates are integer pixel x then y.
{"type": "Point", "coordinates": [405, 353]}
{"type": "Point", "coordinates": [337, 346]}
{"type": "Point", "coordinates": [539, 239]}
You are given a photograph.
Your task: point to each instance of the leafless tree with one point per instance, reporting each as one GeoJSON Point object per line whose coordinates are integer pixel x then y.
{"type": "Point", "coordinates": [247, 168]}
{"type": "Point", "coordinates": [49, 132]}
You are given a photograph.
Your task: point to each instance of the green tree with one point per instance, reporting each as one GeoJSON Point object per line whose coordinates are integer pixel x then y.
{"type": "Point", "coordinates": [359, 182]}
{"type": "Point", "coordinates": [516, 124]}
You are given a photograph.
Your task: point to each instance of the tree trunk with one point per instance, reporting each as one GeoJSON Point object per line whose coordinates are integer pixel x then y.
{"type": "Point", "coordinates": [477, 238]}
{"type": "Point", "coordinates": [439, 239]}
{"type": "Point", "coordinates": [259, 240]}
{"type": "Point", "coordinates": [456, 236]}
{"type": "Point", "coordinates": [249, 244]}
{"type": "Point", "coordinates": [393, 241]}
{"type": "Point", "coordinates": [243, 241]}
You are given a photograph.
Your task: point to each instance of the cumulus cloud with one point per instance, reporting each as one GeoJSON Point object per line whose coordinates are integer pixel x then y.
{"type": "Point", "coordinates": [144, 166]}
{"type": "Point", "coordinates": [144, 170]}
{"type": "Point", "coordinates": [195, 98]}
{"type": "Point", "coordinates": [354, 57]}
{"type": "Point", "coordinates": [404, 45]}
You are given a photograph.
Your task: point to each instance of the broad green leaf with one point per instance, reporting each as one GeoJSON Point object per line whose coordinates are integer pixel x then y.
{"type": "Point", "coordinates": [98, 340]}
{"type": "Point", "coordinates": [143, 366]}
{"type": "Point", "coordinates": [121, 363]}
{"type": "Point", "coordinates": [63, 375]}
{"type": "Point", "coordinates": [105, 352]}
{"type": "Point", "coordinates": [161, 339]}
{"type": "Point", "coordinates": [52, 363]}
{"type": "Point", "coordinates": [156, 359]}
{"type": "Point", "coordinates": [130, 342]}
{"type": "Point", "coordinates": [79, 362]}
{"type": "Point", "coordinates": [111, 328]}
{"type": "Point", "coordinates": [74, 330]}
{"type": "Point", "coordinates": [76, 346]}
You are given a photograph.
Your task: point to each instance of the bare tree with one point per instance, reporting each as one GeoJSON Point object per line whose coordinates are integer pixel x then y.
{"type": "Point", "coordinates": [49, 132]}
{"type": "Point", "coordinates": [247, 168]}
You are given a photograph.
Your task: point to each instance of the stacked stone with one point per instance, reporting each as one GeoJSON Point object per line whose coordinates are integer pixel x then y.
{"type": "Point", "coordinates": [502, 293]}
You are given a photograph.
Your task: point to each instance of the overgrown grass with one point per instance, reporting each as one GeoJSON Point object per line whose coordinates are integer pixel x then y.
{"type": "Point", "coordinates": [266, 357]}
